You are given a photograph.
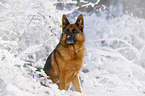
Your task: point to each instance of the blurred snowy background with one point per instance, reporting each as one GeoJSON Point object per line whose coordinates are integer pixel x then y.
{"type": "Point", "coordinates": [114, 64]}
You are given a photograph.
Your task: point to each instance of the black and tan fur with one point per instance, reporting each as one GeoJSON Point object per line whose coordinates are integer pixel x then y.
{"type": "Point", "coordinates": [65, 62]}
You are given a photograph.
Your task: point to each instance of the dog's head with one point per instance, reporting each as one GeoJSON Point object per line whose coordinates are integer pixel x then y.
{"type": "Point", "coordinates": [72, 33]}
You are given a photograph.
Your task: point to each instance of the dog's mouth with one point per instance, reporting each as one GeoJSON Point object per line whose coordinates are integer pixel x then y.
{"type": "Point", "coordinates": [70, 41]}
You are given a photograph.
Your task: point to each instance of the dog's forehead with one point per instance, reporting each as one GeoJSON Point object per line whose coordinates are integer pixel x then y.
{"type": "Point", "coordinates": [72, 26]}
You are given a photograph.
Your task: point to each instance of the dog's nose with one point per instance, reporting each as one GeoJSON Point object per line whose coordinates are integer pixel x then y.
{"type": "Point", "coordinates": [68, 37]}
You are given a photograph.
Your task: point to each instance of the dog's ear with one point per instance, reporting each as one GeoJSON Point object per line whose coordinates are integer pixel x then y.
{"type": "Point", "coordinates": [80, 22]}
{"type": "Point", "coordinates": [65, 21]}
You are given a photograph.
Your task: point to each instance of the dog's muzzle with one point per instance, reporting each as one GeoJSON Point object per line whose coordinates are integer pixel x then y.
{"type": "Point", "coordinates": [70, 40]}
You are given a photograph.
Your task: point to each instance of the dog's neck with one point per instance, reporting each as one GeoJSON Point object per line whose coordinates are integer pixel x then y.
{"type": "Point", "coordinates": [75, 47]}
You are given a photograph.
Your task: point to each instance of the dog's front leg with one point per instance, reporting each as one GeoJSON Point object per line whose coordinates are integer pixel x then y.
{"type": "Point", "coordinates": [62, 80]}
{"type": "Point", "coordinates": [76, 83]}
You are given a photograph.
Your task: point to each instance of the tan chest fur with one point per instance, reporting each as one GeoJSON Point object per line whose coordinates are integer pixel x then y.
{"type": "Point", "coordinates": [73, 59]}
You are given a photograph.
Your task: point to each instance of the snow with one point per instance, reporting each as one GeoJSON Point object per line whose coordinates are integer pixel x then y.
{"type": "Point", "coordinates": [29, 31]}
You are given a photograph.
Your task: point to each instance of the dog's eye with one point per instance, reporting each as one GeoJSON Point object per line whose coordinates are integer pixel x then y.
{"type": "Point", "coordinates": [67, 31]}
{"type": "Point", "coordinates": [75, 31]}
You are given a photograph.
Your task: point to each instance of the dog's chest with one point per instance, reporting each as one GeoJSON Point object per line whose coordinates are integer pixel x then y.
{"type": "Point", "coordinates": [75, 55]}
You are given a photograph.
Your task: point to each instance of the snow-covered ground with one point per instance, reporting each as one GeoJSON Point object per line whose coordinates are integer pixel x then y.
{"type": "Point", "coordinates": [30, 29]}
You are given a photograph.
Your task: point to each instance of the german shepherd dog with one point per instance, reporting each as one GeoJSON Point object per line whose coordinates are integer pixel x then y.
{"type": "Point", "coordinates": [65, 62]}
